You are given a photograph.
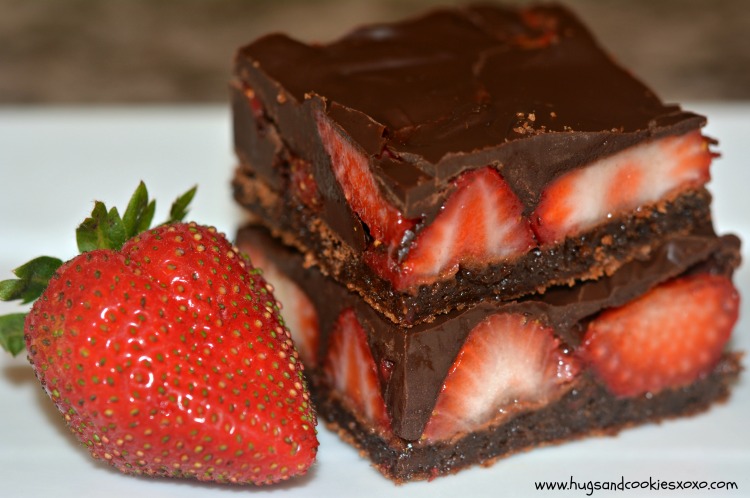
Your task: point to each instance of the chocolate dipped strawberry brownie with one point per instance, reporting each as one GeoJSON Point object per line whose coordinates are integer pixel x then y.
{"type": "Point", "coordinates": [469, 154]}
{"type": "Point", "coordinates": [487, 236]}
{"type": "Point", "coordinates": [474, 385]}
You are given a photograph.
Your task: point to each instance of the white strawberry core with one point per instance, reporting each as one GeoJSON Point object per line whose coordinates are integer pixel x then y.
{"type": "Point", "coordinates": [479, 224]}
{"type": "Point", "coordinates": [507, 364]}
{"type": "Point", "coordinates": [635, 177]}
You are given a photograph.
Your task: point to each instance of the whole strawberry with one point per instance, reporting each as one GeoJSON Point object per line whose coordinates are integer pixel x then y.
{"type": "Point", "coordinates": [167, 356]}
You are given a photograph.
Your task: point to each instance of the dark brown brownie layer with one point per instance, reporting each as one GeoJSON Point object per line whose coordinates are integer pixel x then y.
{"type": "Point", "coordinates": [587, 410]}
{"type": "Point", "coordinates": [422, 355]}
{"type": "Point", "coordinates": [587, 256]}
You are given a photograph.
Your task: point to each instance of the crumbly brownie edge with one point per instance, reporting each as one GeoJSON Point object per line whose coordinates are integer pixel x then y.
{"type": "Point", "coordinates": [587, 410]}
{"type": "Point", "coordinates": [587, 256]}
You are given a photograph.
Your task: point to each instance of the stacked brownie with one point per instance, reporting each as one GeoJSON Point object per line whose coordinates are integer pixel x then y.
{"type": "Point", "coordinates": [486, 235]}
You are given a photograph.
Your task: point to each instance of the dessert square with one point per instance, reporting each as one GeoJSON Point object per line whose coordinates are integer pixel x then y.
{"type": "Point", "coordinates": [644, 344]}
{"type": "Point", "coordinates": [487, 235]}
{"type": "Point", "coordinates": [469, 154]}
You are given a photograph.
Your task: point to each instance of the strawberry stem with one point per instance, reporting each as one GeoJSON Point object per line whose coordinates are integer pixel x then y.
{"type": "Point", "coordinates": [32, 280]}
{"type": "Point", "coordinates": [103, 229]}
{"type": "Point", "coordinates": [11, 332]}
{"type": "Point", "coordinates": [139, 213]}
{"type": "Point", "coordinates": [179, 208]}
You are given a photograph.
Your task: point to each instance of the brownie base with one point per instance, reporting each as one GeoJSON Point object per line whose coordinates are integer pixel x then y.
{"type": "Point", "coordinates": [587, 410]}
{"type": "Point", "coordinates": [600, 251]}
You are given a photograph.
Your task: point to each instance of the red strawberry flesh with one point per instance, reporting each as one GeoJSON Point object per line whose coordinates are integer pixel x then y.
{"type": "Point", "coordinates": [509, 363]}
{"type": "Point", "coordinates": [386, 224]}
{"type": "Point", "coordinates": [303, 183]}
{"type": "Point", "coordinates": [639, 176]}
{"type": "Point", "coordinates": [351, 371]}
{"type": "Point", "coordinates": [667, 338]}
{"type": "Point", "coordinates": [481, 223]}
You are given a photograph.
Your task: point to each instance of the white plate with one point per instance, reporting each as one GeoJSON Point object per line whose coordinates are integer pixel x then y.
{"type": "Point", "coordinates": [55, 162]}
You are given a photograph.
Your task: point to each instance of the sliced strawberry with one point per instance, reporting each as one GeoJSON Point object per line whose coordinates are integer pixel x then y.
{"type": "Point", "coordinates": [385, 223]}
{"type": "Point", "coordinates": [255, 105]}
{"type": "Point", "coordinates": [668, 337]}
{"type": "Point", "coordinates": [298, 312]}
{"type": "Point", "coordinates": [303, 183]}
{"type": "Point", "coordinates": [350, 369]}
{"type": "Point", "coordinates": [635, 177]}
{"type": "Point", "coordinates": [507, 363]}
{"type": "Point", "coordinates": [480, 223]}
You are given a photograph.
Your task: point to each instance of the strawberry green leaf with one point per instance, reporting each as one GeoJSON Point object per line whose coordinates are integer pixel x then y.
{"type": "Point", "coordinates": [11, 332]}
{"type": "Point", "coordinates": [180, 206]}
{"type": "Point", "coordinates": [139, 213]}
{"type": "Point", "coordinates": [102, 230]}
{"type": "Point", "coordinates": [32, 280]}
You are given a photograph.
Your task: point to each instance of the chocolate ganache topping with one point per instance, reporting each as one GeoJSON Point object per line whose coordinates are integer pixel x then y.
{"type": "Point", "coordinates": [528, 91]}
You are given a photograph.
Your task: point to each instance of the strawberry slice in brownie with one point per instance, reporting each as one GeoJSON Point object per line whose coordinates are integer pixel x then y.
{"type": "Point", "coordinates": [506, 238]}
{"type": "Point", "coordinates": [469, 154]}
{"type": "Point", "coordinates": [648, 342]}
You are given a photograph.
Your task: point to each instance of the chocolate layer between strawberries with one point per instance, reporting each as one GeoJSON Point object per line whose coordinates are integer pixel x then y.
{"type": "Point", "coordinates": [497, 377]}
{"type": "Point", "coordinates": [468, 154]}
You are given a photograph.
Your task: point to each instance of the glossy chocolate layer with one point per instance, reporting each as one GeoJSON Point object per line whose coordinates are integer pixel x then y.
{"type": "Point", "coordinates": [422, 355]}
{"type": "Point", "coordinates": [529, 91]}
